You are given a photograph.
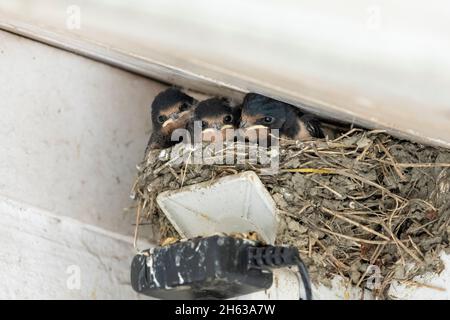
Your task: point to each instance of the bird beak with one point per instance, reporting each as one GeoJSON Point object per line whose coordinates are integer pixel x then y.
{"type": "Point", "coordinates": [172, 118]}
{"type": "Point", "coordinates": [257, 127]}
{"type": "Point", "coordinates": [243, 125]}
{"type": "Point", "coordinates": [168, 122]}
{"type": "Point", "coordinates": [216, 130]}
{"type": "Point", "coordinates": [251, 133]}
{"type": "Point", "coordinates": [217, 127]}
{"type": "Point", "coordinates": [210, 134]}
{"type": "Point", "coordinates": [227, 126]}
{"type": "Point", "coordinates": [227, 135]}
{"type": "Point", "coordinates": [209, 131]}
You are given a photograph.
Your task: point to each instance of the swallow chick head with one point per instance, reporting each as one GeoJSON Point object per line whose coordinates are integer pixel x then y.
{"type": "Point", "coordinates": [171, 110]}
{"type": "Point", "coordinates": [216, 116]}
{"type": "Point", "coordinates": [261, 114]}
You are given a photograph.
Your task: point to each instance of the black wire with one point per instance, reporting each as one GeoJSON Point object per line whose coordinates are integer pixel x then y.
{"type": "Point", "coordinates": [305, 277]}
{"type": "Point", "coordinates": [270, 257]}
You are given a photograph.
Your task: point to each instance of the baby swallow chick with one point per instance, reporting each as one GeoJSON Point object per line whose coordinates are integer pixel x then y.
{"type": "Point", "coordinates": [261, 113]}
{"type": "Point", "coordinates": [171, 109]}
{"type": "Point", "coordinates": [214, 116]}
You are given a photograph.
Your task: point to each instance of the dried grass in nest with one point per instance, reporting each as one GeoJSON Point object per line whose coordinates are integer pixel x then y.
{"type": "Point", "coordinates": [363, 199]}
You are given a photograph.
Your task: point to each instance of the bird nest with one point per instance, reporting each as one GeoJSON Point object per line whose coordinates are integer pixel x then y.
{"type": "Point", "coordinates": [363, 199]}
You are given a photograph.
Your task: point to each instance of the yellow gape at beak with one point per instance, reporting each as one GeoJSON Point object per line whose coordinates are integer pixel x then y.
{"type": "Point", "coordinates": [216, 130]}
{"type": "Point", "coordinates": [209, 131]}
{"type": "Point", "coordinates": [253, 133]}
{"type": "Point", "coordinates": [256, 127]}
{"type": "Point", "coordinates": [167, 122]}
{"type": "Point", "coordinates": [227, 126]}
{"type": "Point", "coordinates": [212, 134]}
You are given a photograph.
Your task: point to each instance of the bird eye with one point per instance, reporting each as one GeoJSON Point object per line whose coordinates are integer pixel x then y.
{"type": "Point", "coordinates": [161, 119]}
{"type": "Point", "coordinates": [184, 107]}
{"type": "Point", "coordinates": [228, 119]}
{"type": "Point", "coordinates": [268, 120]}
{"type": "Point", "coordinates": [204, 124]}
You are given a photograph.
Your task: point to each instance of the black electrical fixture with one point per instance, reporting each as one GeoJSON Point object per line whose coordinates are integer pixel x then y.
{"type": "Point", "coordinates": [216, 267]}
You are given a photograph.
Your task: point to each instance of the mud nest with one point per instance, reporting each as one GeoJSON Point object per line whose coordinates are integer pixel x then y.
{"type": "Point", "coordinates": [363, 199]}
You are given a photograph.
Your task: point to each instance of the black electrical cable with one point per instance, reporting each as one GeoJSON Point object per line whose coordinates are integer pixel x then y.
{"type": "Point", "coordinates": [216, 267]}
{"type": "Point", "coordinates": [270, 257]}
{"type": "Point", "coordinates": [303, 271]}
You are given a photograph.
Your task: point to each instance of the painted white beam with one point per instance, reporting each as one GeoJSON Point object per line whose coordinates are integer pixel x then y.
{"type": "Point", "coordinates": [45, 256]}
{"type": "Point", "coordinates": [379, 63]}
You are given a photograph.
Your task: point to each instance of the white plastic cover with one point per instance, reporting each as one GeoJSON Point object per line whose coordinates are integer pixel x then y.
{"type": "Point", "coordinates": [237, 203]}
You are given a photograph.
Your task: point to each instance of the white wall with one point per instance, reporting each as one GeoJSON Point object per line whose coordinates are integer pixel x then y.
{"type": "Point", "coordinates": [71, 133]}
{"type": "Point", "coordinates": [48, 256]}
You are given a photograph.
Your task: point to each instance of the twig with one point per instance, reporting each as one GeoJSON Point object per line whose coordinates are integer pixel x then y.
{"type": "Point", "coordinates": [352, 238]}
{"type": "Point", "coordinates": [398, 242]}
{"type": "Point", "coordinates": [421, 284]}
{"type": "Point", "coordinates": [393, 162]}
{"type": "Point", "coordinates": [138, 217]}
{"type": "Point", "coordinates": [309, 170]}
{"type": "Point", "coordinates": [337, 215]}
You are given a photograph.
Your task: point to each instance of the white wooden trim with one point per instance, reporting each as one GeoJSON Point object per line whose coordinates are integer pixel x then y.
{"type": "Point", "coordinates": [362, 62]}
{"type": "Point", "coordinates": [41, 253]}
